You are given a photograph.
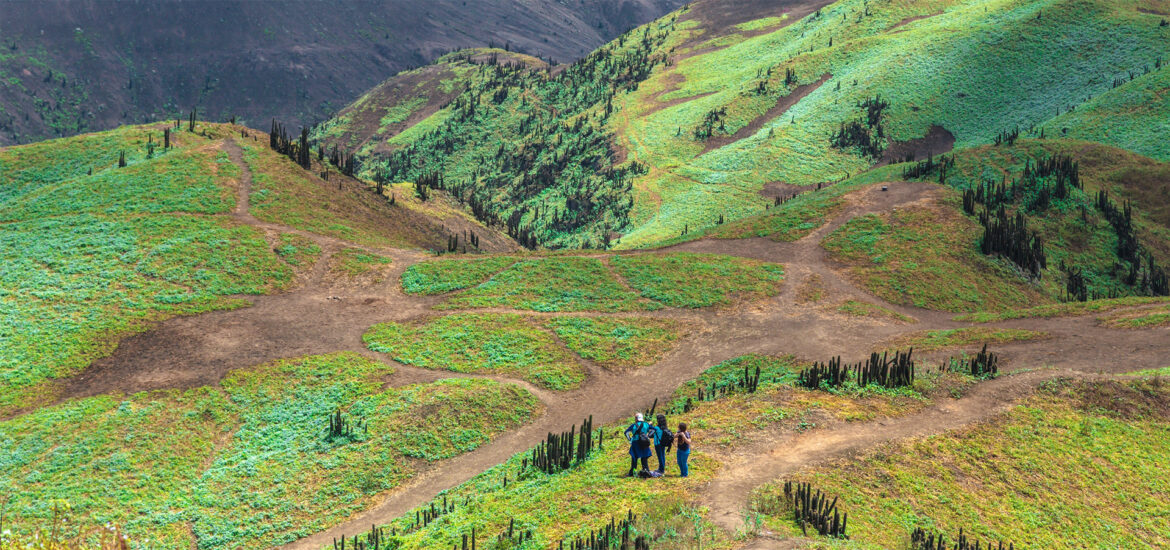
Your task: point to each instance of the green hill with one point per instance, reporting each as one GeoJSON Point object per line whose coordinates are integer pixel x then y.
{"type": "Point", "coordinates": [93, 251]}
{"type": "Point", "coordinates": [720, 209]}
{"type": "Point", "coordinates": [692, 117]}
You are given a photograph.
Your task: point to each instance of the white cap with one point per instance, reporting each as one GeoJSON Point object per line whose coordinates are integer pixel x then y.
{"type": "Point", "coordinates": [638, 417]}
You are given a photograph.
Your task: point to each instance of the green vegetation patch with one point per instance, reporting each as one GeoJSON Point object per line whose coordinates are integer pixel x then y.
{"type": "Point", "coordinates": [925, 257]}
{"type": "Point", "coordinates": [28, 167]}
{"type": "Point", "coordinates": [865, 309]}
{"type": "Point", "coordinates": [787, 222]}
{"type": "Point", "coordinates": [930, 340]}
{"type": "Point", "coordinates": [1141, 318]}
{"type": "Point", "coordinates": [553, 284]}
{"type": "Point", "coordinates": [773, 370]}
{"type": "Point", "coordinates": [281, 476]}
{"type": "Point", "coordinates": [1068, 309]}
{"type": "Point", "coordinates": [89, 258]}
{"type": "Point", "coordinates": [399, 112]}
{"type": "Point", "coordinates": [481, 343]}
{"type": "Point", "coordinates": [447, 274]}
{"type": "Point", "coordinates": [179, 181]}
{"type": "Point", "coordinates": [355, 262]}
{"type": "Point", "coordinates": [762, 23]}
{"type": "Point", "coordinates": [617, 342]}
{"type": "Point", "coordinates": [685, 279]}
{"type": "Point", "coordinates": [1164, 371]}
{"type": "Point", "coordinates": [73, 284]}
{"type": "Point", "coordinates": [250, 463]}
{"type": "Point", "coordinates": [1078, 465]}
{"type": "Point", "coordinates": [297, 250]}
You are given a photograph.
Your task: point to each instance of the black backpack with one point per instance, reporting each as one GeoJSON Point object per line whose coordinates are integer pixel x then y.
{"type": "Point", "coordinates": [644, 439]}
{"type": "Point", "coordinates": [667, 437]}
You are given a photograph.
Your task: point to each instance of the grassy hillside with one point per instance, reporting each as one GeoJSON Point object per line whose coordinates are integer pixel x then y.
{"type": "Point", "coordinates": [973, 68]}
{"type": "Point", "coordinates": [251, 462]}
{"type": "Point", "coordinates": [570, 504]}
{"type": "Point", "coordinates": [93, 251]}
{"type": "Point", "coordinates": [1073, 466]}
{"type": "Point", "coordinates": [713, 111]}
{"type": "Point", "coordinates": [371, 125]}
{"type": "Point", "coordinates": [927, 252]}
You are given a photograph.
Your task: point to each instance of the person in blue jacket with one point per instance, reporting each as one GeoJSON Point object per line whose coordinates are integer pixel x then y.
{"type": "Point", "coordinates": [663, 440]}
{"type": "Point", "coordinates": [641, 437]}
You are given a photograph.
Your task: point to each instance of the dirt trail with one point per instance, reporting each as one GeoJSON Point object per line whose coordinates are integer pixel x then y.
{"type": "Point", "coordinates": [318, 318]}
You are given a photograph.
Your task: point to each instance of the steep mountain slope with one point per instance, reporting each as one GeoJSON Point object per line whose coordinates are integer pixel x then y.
{"type": "Point", "coordinates": [372, 124]}
{"type": "Point", "coordinates": [701, 112]}
{"type": "Point", "coordinates": [73, 66]}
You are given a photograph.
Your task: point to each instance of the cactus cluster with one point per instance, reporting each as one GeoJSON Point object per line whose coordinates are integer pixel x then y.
{"type": "Point", "coordinates": [340, 426]}
{"type": "Point", "coordinates": [561, 451]}
{"type": "Point", "coordinates": [748, 383]}
{"type": "Point", "coordinates": [814, 510]}
{"type": "Point", "coordinates": [297, 151]}
{"type": "Point", "coordinates": [513, 536]}
{"type": "Point", "coordinates": [376, 538]}
{"type": "Point", "coordinates": [879, 369]}
{"type": "Point", "coordinates": [983, 365]}
{"type": "Point", "coordinates": [924, 168]}
{"type": "Point", "coordinates": [922, 539]}
{"type": "Point", "coordinates": [614, 535]}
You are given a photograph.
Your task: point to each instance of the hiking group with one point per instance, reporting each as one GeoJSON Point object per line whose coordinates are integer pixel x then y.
{"type": "Point", "coordinates": [645, 439]}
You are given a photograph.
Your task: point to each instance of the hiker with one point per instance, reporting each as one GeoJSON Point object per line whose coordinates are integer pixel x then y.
{"type": "Point", "coordinates": [684, 449]}
{"type": "Point", "coordinates": [663, 440]}
{"type": "Point", "coordinates": [641, 437]}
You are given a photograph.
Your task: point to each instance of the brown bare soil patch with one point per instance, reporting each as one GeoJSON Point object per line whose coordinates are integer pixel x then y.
{"type": "Point", "coordinates": [782, 105]}
{"type": "Point", "coordinates": [937, 141]}
{"type": "Point", "coordinates": [909, 20]}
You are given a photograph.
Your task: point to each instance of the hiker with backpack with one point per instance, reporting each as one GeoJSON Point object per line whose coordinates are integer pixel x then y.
{"type": "Point", "coordinates": [663, 440]}
{"type": "Point", "coordinates": [684, 449]}
{"type": "Point", "coordinates": [641, 437]}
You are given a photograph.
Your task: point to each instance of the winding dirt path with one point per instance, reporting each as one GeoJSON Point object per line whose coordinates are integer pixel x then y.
{"type": "Point", "coordinates": [319, 318]}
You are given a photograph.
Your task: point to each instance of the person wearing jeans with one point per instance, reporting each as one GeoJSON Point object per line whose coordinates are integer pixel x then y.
{"type": "Point", "coordinates": [662, 442]}
{"type": "Point", "coordinates": [684, 449]}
